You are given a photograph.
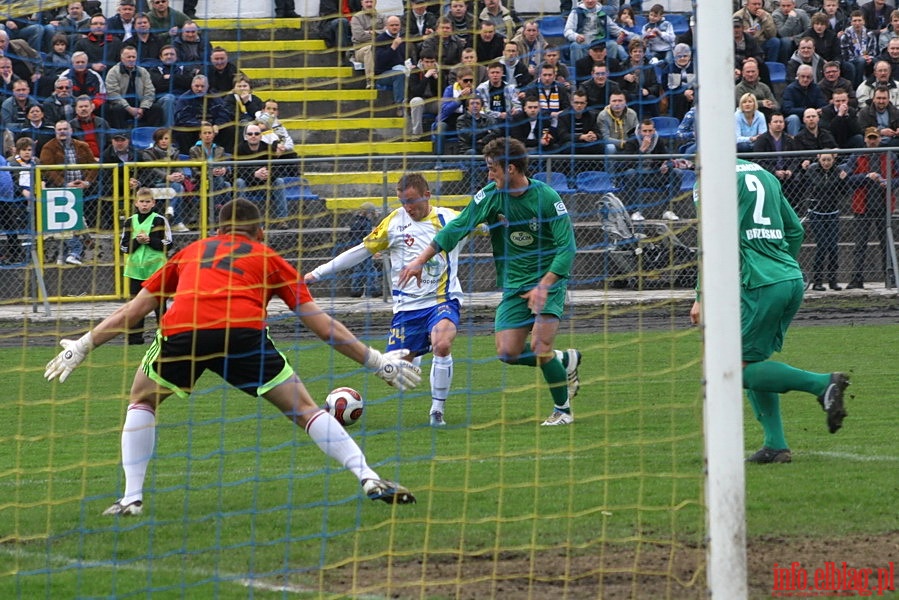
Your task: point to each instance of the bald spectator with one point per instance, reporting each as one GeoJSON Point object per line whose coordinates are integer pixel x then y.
{"type": "Point", "coordinates": [7, 78]}
{"type": "Point", "coordinates": [891, 56]}
{"type": "Point", "coordinates": [813, 136]}
{"type": "Point", "coordinates": [390, 60]}
{"type": "Point", "coordinates": [882, 78]}
{"type": "Point", "coordinates": [364, 28]}
{"type": "Point", "coordinates": [800, 95]}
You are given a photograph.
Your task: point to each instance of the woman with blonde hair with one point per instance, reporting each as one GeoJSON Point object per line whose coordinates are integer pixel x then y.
{"type": "Point", "coordinates": [749, 122]}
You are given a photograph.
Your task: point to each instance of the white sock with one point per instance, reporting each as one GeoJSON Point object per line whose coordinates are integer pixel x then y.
{"type": "Point", "coordinates": [334, 441]}
{"type": "Point", "coordinates": [138, 439]}
{"type": "Point", "coordinates": [441, 380]}
{"type": "Point", "coordinates": [417, 361]}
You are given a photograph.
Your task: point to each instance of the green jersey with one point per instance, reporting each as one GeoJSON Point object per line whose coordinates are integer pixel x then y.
{"type": "Point", "coordinates": [770, 232]}
{"type": "Point", "coordinates": [530, 234]}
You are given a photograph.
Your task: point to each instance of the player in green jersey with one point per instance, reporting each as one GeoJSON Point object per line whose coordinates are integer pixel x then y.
{"type": "Point", "coordinates": [533, 250]}
{"type": "Point", "coordinates": [771, 292]}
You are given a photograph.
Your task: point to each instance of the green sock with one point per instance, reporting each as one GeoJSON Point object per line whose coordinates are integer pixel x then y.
{"type": "Point", "coordinates": [527, 357]}
{"type": "Point", "coordinates": [766, 406]}
{"type": "Point", "coordinates": [557, 378]}
{"type": "Point", "coordinates": [777, 377]}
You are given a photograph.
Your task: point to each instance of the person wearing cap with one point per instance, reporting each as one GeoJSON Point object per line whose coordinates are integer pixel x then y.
{"type": "Point", "coordinates": [881, 116]}
{"type": "Point", "coordinates": [597, 54]}
{"type": "Point", "coordinates": [588, 22]}
{"type": "Point", "coordinates": [121, 24]}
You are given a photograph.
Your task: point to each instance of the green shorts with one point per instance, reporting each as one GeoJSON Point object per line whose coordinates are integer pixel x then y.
{"type": "Point", "coordinates": [513, 311]}
{"type": "Point", "coordinates": [766, 313]}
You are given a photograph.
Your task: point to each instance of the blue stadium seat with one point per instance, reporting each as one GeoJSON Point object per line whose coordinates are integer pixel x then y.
{"type": "Point", "coordinates": [556, 181]}
{"type": "Point", "coordinates": [777, 71]}
{"type": "Point", "coordinates": [681, 23]}
{"type": "Point", "coordinates": [595, 182]}
{"type": "Point", "coordinates": [666, 127]}
{"type": "Point", "coordinates": [689, 179]}
{"type": "Point", "coordinates": [142, 137]}
{"type": "Point", "coordinates": [298, 188]}
{"type": "Point", "coordinates": [552, 26]}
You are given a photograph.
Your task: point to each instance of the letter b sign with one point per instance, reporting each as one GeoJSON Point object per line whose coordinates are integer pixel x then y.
{"type": "Point", "coordinates": [63, 210]}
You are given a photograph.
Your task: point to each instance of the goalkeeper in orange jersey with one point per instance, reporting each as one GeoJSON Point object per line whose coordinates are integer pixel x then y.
{"type": "Point", "coordinates": [221, 286]}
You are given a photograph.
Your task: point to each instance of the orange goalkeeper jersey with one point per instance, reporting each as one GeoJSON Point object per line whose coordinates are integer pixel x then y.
{"type": "Point", "coordinates": [224, 281]}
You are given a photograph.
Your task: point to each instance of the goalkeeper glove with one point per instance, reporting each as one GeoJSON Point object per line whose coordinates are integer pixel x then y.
{"type": "Point", "coordinates": [74, 352]}
{"type": "Point", "coordinates": [391, 367]}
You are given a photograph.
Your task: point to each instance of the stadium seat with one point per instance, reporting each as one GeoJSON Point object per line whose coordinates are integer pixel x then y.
{"type": "Point", "coordinates": [552, 26]}
{"type": "Point", "coordinates": [689, 179]}
{"type": "Point", "coordinates": [777, 71]}
{"type": "Point", "coordinates": [556, 181]}
{"type": "Point", "coordinates": [595, 182]}
{"type": "Point", "coordinates": [297, 188]}
{"type": "Point", "coordinates": [666, 127]}
{"type": "Point", "coordinates": [681, 23]}
{"type": "Point", "coordinates": [142, 137]}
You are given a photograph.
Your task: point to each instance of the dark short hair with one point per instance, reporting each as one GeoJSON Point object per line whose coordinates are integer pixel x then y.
{"type": "Point", "coordinates": [240, 214]}
{"type": "Point", "coordinates": [413, 180]}
{"type": "Point", "coordinates": [506, 152]}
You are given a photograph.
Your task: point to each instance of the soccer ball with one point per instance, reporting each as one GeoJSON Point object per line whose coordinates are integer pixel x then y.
{"type": "Point", "coordinates": [345, 404]}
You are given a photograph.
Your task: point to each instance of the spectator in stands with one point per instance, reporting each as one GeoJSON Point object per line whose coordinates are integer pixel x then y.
{"type": "Point", "coordinates": [883, 115]}
{"type": "Point", "coordinates": [475, 128]}
{"type": "Point", "coordinates": [130, 97]}
{"type": "Point", "coordinates": [516, 72]}
{"type": "Point", "coordinates": [577, 128]}
{"type": "Point", "coordinates": [825, 192]}
{"type": "Point", "coordinates": [423, 91]}
{"type": "Point", "coordinates": [597, 54]}
{"type": "Point", "coordinates": [869, 174]}
{"type": "Point", "coordinates": [470, 58]}
{"type": "Point", "coordinates": [26, 62]}
{"type": "Point", "coordinates": [166, 176]}
{"type": "Point", "coordinates": [170, 80]}
{"type": "Point", "coordinates": [419, 23]}
{"type": "Point", "coordinates": [487, 44]}
{"type": "Point", "coordinates": [102, 48]}
{"type": "Point", "coordinates": [791, 23]}
{"type": "Point", "coordinates": [531, 45]}
{"type": "Point", "coordinates": [451, 107]}
{"type": "Point", "coordinates": [7, 78]}
{"type": "Point", "coordinates": [258, 182]}
{"type": "Point", "coordinates": [599, 88]}
{"type": "Point", "coordinates": [759, 24]}
{"type": "Point", "coordinates": [891, 56]}
{"type": "Point", "coordinates": [165, 22]}
{"type": "Point", "coordinates": [552, 56]}
{"type": "Point", "coordinates": [658, 35]}
{"type": "Point", "coordinates": [246, 103]}
{"type": "Point", "coordinates": [534, 129]}
{"type": "Point", "coordinates": [500, 100]}
{"type": "Point", "coordinates": [88, 127]}
{"type": "Point", "coordinates": [858, 48]}
{"type": "Point", "coordinates": [390, 61]}
{"type": "Point", "coordinates": [837, 19]}
{"type": "Point", "coordinates": [877, 14]}
{"type": "Point", "coordinates": [273, 132]}
{"type": "Point", "coordinates": [882, 78]}
{"type": "Point", "coordinates": [223, 73]}
{"type": "Point", "coordinates": [63, 150]}
{"type": "Point", "coordinates": [334, 26]}
{"type": "Point", "coordinates": [195, 53]}
{"type": "Point", "coordinates": [806, 55]}
{"type": "Point", "coordinates": [56, 62]}
{"type": "Point", "coordinates": [686, 132]}
{"type": "Point", "coordinates": [445, 46]}
{"type": "Point", "coordinates": [365, 27]}
{"type": "Point", "coordinates": [36, 128]}
{"type": "Point", "coordinates": [198, 105]}
{"type": "Point", "coordinates": [749, 123]}
{"type": "Point", "coordinates": [121, 24]}
{"type": "Point", "coordinates": [890, 31]}
{"type": "Point", "coordinates": [679, 82]}
{"type": "Point", "coordinates": [14, 110]}
{"type": "Point", "coordinates": [746, 47]}
{"type": "Point", "coordinates": [627, 21]}
{"type": "Point", "coordinates": [119, 152]}
{"type": "Point", "coordinates": [74, 23]}
{"type": "Point", "coordinates": [777, 142]}
{"type": "Point", "coordinates": [25, 29]}
{"type": "Point", "coordinates": [617, 122]}
{"type": "Point", "coordinates": [842, 121]}
{"type": "Point", "coordinates": [554, 98]}
{"type": "Point", "coordinates": [505, 20]}
{"type": "Point", "coordinates": [650, 171]}
{"type": "Point", "coordinates": [639, 82]}
{"type": "Point", "coordinates": [825, 40]}
{"type": "Point", "coordinates": [462, 20]}
{"type": "Point", "coordinates": [190, 7]}
{"type": "Point", "coordinates": [813, 136]}
{"type": "Point", "coordinates": [85, 81]}
{"type": "Point", "coordinates": [800, 95]}
{"type": "Point", "coordinates": [147, 43]}
{"type": "Point", "coordinates": [60, 105]}
{"type": "Point", "coordinates": [833, 80]}
{"type": "Point", "coordinates": [14, 206]}
{"type": "Point", "coordinates": [588, 22]}
{"type": "Point", "coordinates": [206, 149]}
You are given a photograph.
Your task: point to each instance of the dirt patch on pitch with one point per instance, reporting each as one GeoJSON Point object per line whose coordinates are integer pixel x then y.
{"type": "Point", "coordinates": [619, 571]}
